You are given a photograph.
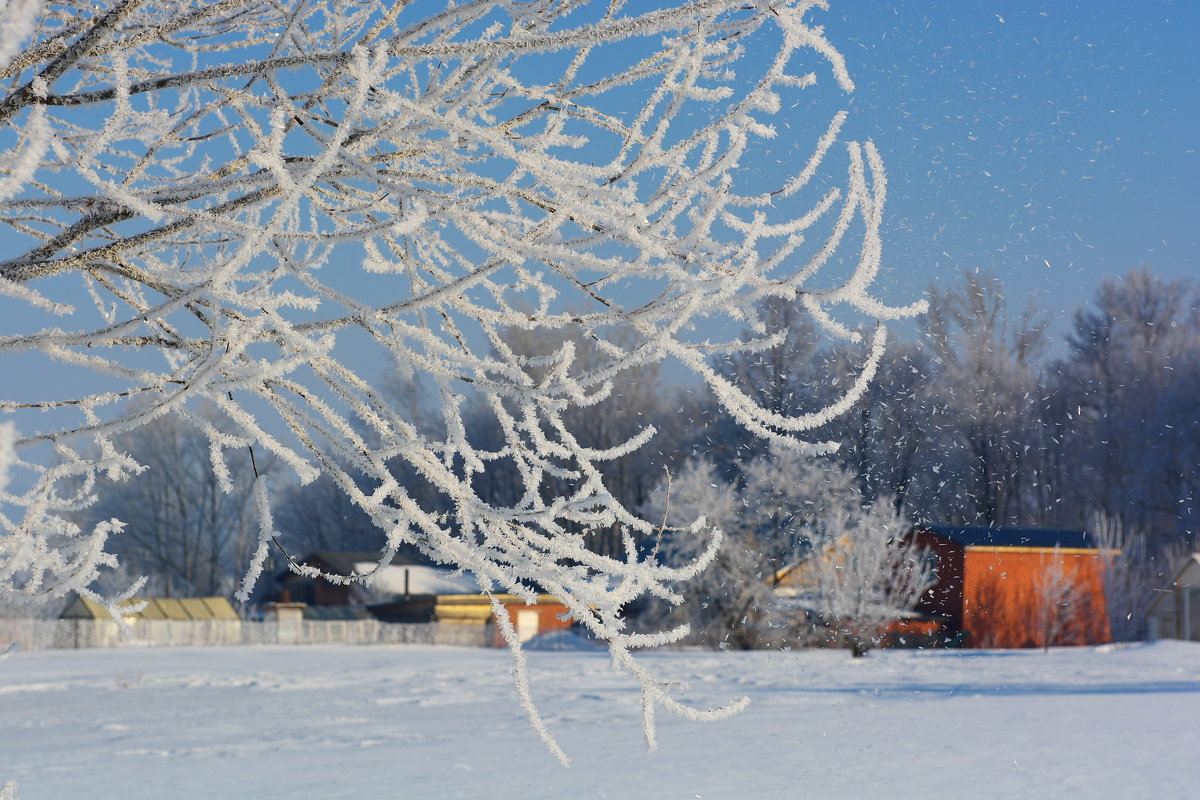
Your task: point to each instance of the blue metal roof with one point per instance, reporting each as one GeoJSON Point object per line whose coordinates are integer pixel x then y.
{"type": "Point", "coordinates": [980, 536]}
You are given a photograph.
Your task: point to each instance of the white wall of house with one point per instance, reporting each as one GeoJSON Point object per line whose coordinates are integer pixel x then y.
{"type": "Point", "coordinates": [1175, 613]}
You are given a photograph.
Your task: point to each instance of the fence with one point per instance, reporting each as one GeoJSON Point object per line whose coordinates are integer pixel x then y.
{"type": "Point", "coordinates": [38, 634]}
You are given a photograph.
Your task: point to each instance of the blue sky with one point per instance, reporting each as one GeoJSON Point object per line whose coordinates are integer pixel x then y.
{"type": "Point", "coordinates": [1055, 144]}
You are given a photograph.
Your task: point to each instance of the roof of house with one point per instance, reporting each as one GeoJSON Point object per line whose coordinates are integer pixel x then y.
{"type": "Point", "coordinates": [335, 613]}
{"type": "Point", "coordinates": [418, 579]}
{"type": "Point", "coordinates": [165, 608]}
{"type": "Point", "coordinates": [345, 562]}
{"type": "Point", "coordinates": [1041, 538]}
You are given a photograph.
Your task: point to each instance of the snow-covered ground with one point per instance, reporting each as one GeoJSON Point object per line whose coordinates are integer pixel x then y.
{"type": "Point", "coordinates": [439, 722]}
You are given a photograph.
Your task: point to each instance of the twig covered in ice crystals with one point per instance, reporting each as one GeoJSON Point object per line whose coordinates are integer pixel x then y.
{"type": "Point", "coordinates": [263, 205]}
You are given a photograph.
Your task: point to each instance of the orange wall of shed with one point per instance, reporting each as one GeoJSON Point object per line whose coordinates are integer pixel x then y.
{"type": "Point", "coordinates": [548, 618]}
{"type": "Point", "coordinates": [1002, 605]}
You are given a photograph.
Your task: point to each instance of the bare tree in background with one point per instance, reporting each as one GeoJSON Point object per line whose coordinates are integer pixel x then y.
{"type": "Point", "coordinates": [1131, 406]}
{"type": "Point", "coordinates": [262, 205]}
{"type": "Point", "coordinates": [893, 435]}
{"type": "Point", "coordinates": [1135, 569]}
{"type": "Point", "coordinates": [184, 531]}
{"type": "Point", "coordinates": [989, 374]}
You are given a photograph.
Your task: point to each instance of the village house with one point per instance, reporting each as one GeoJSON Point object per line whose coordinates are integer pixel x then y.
{"type": "Point", "coordinates": [411, 589]}
{"type": "Point", "coordinates": [1174, 613]}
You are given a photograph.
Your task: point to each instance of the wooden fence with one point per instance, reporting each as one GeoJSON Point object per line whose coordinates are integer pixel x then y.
{"type": "Point", "coordinates": [40, 634]}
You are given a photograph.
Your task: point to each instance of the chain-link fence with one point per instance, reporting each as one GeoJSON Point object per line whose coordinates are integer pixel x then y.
{"type": "Point", "coordinates": [40, 634]}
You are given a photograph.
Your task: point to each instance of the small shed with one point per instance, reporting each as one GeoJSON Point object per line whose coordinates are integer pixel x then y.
{"type": "Point", "coordinates": [1174, 613]}
{"type": "Point", "coordinates": [546, 614]}
{"type": "Point", "coordinates": [1016, 587]}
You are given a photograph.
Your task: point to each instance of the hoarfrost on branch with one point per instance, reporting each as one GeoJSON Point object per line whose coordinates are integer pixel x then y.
{"type": "Point", "coordinates": [263, 206]}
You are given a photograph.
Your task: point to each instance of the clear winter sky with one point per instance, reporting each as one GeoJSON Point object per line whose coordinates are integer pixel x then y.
{"type": "Point", "coordinates": [1054, 144]}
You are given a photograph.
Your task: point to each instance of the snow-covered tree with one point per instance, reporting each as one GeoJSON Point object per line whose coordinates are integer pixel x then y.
{"type": "Point", "coordinates": [638, 398]}
{"type": "Point", "coordinates": [1057, 595]}
{"type": "Point", "coordinates": [782, 378]}
{"type": "Point", "coordinates": [787, 501]}
{"type": "Point", "coordinates": [263, 205]}
{"type": "Point", "coordinates": [842, 560]}
{"type": "Point", "coordinates": [729, 603]}
{"type": "Point", "coordinates": [893, 434]}
{"type": "Point", "coordinates": [859, 574]}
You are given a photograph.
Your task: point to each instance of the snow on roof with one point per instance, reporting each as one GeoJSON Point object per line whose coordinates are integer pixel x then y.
{"type": "Point", "coordinates": [421, 579]}
{"type": "Point", "coordinates": [342, 562]}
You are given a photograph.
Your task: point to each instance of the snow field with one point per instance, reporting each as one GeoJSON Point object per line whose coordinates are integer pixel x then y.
{"type": "Point", "coordinates": [440, 722]}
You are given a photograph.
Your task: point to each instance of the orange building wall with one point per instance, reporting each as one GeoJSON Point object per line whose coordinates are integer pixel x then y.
{"type": "Point", "coordinates": [1003, 607]}
{"type": "Point", "coordinates": [548, 618]}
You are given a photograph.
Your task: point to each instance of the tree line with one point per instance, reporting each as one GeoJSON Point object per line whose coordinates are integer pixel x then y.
{"type": "Point", "coordinates": [974, 420]}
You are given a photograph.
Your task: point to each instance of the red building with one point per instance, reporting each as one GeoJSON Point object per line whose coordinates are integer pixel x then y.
{"type": "Point", "coordinates": [1016, 587]}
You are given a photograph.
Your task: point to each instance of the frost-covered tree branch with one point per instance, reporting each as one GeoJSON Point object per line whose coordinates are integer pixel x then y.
{"type": "Point", "coordinates": [265, 205]}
